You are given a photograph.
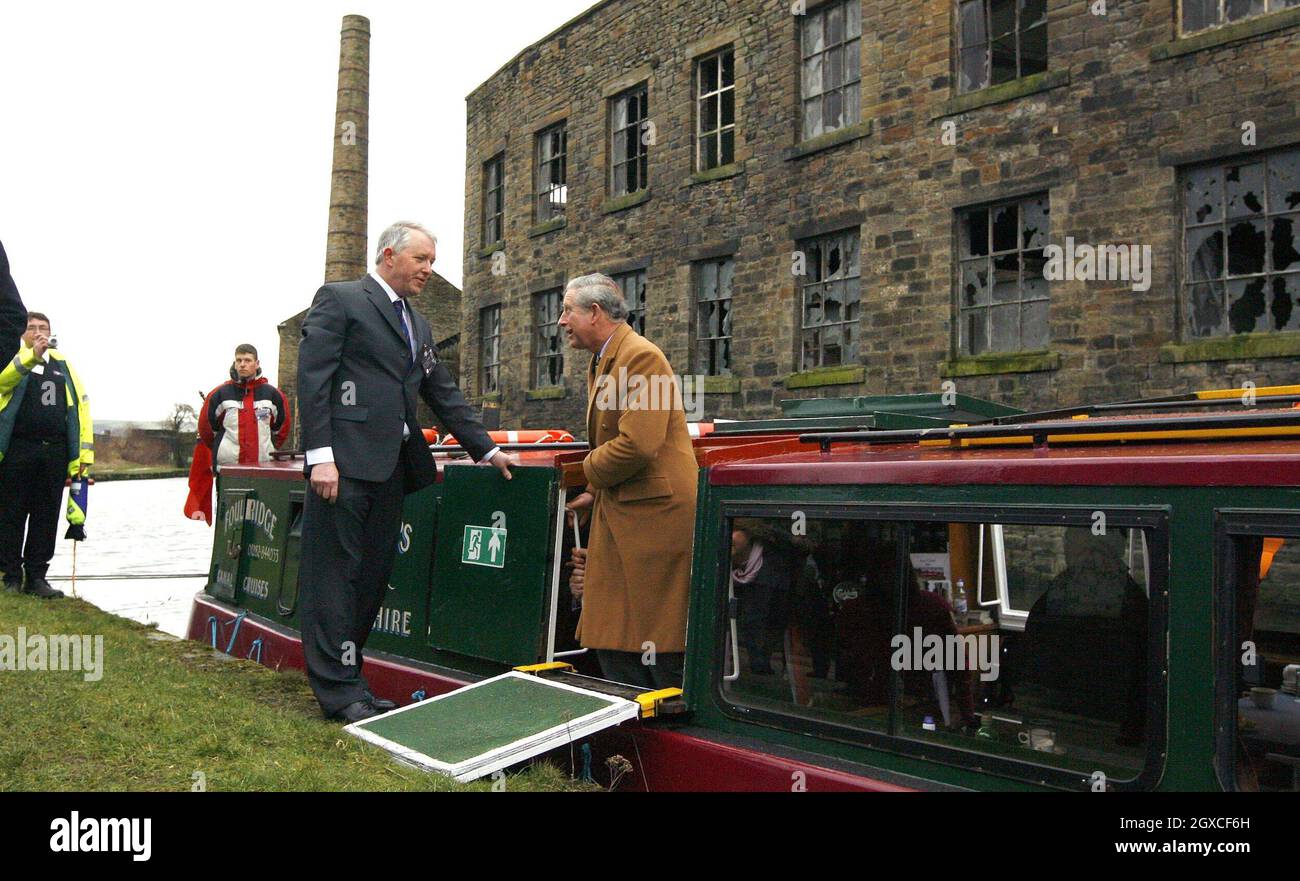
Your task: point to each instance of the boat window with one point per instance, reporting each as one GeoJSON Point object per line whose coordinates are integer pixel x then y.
{"type": "Point", "coordinates": [1263, 704]}
{"type": "Point", "coordinates": [880, 627]}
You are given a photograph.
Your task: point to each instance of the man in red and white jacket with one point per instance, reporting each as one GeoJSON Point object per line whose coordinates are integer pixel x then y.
{"type": "Point", "coordinates": [241, 422]}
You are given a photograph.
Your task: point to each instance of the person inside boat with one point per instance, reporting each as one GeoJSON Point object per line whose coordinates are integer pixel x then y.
{"type": "Point", "coordinates": [1094, 601]}
{"type": "Point", "coordinates": [761, 575]}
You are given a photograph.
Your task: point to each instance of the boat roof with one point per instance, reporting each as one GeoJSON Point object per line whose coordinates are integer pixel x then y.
{"type": "Point", "coordinates": [1247, 462]}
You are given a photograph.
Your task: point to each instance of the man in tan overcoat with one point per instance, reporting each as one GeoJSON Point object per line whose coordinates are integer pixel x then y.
{"type": "Point", "coordinates": [634, 577]}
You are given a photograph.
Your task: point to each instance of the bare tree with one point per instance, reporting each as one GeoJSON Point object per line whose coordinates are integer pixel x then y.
{"type": "Point", "coordinates": [182, 423]}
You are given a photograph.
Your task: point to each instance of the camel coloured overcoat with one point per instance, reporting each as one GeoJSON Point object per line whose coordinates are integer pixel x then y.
{"type": "Point", "coordinates": [642, 472]}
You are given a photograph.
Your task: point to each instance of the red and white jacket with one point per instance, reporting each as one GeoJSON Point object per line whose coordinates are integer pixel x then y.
{"type": "Point", "coordinates": [243, 421]}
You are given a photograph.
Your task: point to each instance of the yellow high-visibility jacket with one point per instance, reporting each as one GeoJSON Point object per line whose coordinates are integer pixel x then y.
{"type": "Point", "coordinates": [81, 431]}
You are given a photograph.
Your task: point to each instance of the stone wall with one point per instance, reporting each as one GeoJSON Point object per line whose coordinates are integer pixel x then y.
{"type": "Point", "coordinates": [1123, 107]}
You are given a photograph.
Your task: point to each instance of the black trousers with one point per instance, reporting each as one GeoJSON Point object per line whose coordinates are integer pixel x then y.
{"type": "Point", "coordinates": [348, 550]}
{"type": "Point", "coordinates": [31, 488]}
{"type": "Point", "coordinates": [626, 667]}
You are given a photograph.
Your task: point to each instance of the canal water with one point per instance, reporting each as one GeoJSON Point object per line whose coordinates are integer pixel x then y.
{"type": "Point", "coordinates": [137, 542]}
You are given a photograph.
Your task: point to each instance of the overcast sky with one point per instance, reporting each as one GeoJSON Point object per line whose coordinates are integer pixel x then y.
{"type": "Point", "coordinates": [164, 167]}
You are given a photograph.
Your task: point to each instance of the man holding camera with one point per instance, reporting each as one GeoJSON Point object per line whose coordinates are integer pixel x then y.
{"type": "Point", "coordinates": [46, 436]}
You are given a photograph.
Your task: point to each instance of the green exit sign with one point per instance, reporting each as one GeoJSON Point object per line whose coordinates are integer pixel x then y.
{"type": "Point", "coordinates": [484, 546]}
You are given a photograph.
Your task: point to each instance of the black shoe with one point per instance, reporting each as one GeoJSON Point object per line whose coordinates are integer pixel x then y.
{"type": "Point", "coordinates": [39, 587]}
{"type": "Point", "coordinates": [356, 712]}
{"type": "Point", "coordinates": [380, 704]}
{"type": "Point", "coordinates": [14, 584]}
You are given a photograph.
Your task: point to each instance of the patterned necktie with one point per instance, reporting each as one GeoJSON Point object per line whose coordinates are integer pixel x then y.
{"type": "Point", "coordinates": [400, 308]}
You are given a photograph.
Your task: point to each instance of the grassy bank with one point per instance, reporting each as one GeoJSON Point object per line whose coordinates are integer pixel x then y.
{"type": "Point", "coordinates": [166, 709]}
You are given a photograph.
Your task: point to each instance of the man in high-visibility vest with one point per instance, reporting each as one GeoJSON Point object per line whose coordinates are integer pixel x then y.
{"type": "Point", "coordinates": [46, 436]}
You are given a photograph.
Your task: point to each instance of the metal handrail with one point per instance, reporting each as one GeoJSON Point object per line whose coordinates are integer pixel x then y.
{"type": "Point", "coordinates": [1040, 431]}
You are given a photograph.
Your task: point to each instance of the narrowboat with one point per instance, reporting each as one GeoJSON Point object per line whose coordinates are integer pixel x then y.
{"type": "Point", "coordinates": [916, 592]}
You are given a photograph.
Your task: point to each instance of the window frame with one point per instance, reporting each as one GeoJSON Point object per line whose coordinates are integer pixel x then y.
{"type": "Point", "coordinates": [1225, 225]}
{"type": "Point", "coordinates": [537, 357]}
{"type": "Point", "coordinates": [961, 261]}
{"type": "Point", "coordinates": [697, 302]}
{"type": "Point", "coordinates": [718, 134]}
{"type": "Point", "coordinates": [499, 191]}
{"type": "Point", "coordinates": [1272, 6]}
{"type": "Point", "coordinates": [1231, 523]}
{"type": "Point", "coordinates": [1154, 519]}
{"type": "Point", "coordinates": [804, 246]}
{"type": "Point", "coordinates": [545, 208]}
{"type": "Point", "coordinates": [632, 129]}
{"type": "Point", "coordinates": [987, 45]}
{"type": "Point", "coordinates": [804, 99]}
{"type": "Point", "coordinates": [621, 279]}
{"type": "Point", "coordinates": [484, 364]}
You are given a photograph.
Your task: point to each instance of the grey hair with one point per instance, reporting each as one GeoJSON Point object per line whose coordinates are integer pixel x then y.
{"type": "Point", "coordinates": [599, 290]}
{"type": "Point", "coordinates": [397, 237]}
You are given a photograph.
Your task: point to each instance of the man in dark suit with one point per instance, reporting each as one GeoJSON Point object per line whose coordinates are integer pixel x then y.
{"type": "Point", "coordinates": [13, 314]}
{"type": "Point", "coordinates": [365, 356]}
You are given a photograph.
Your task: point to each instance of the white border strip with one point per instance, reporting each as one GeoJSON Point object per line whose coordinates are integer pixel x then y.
{"type": "Point", "coordinates": [618, 711]}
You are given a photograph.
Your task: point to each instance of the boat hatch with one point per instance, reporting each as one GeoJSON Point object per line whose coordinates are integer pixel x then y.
{"type": "Point", "coordinates": [493, 593]}
{"type": "Point", "coordinates": [481, 728]}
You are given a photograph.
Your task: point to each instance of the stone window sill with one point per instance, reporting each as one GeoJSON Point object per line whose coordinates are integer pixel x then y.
{"type": "Point", "coordinates": [1029, 85]}
{"type": "Point", "coordinates": [1246, 346]}
{"type": "Point", "coordinates": [491, 249]}
{"type": "Point", "coordinates": [711, 385]}
{"type": "Point", "coordinates": [823, 376]}
{"type": "Point", "coordinates": [827, 141]}
{"type": "Point", "coordinates": [1001, 362]}
{"type": "Point", "coordinates": [550, 393]}
{"type": "Point", "coordinates": [622, 203]}
{"type": "Point", "coordinates": [1230, 33]}
{"type": "Point", "coordinates": [541, 229]}
{"type": "Point", "coordinates": [722, 172]}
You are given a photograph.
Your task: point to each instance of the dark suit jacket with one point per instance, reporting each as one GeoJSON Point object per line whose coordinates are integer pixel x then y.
{"type": "Point", "coordinates": [356, 386]}
{"type": "Point", "coordinates": [13, 315]}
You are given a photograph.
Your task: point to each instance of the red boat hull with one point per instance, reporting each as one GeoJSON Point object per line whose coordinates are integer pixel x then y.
{"type": "Point", "coordinates": [663, 759]}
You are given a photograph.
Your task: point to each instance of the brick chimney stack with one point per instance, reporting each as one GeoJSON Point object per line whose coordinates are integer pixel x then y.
{"type": "Point", "coordinates": [345, 250]}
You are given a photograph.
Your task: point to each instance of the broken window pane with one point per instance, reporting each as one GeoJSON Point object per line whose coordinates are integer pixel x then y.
{"type": "Point", "coordinates": [975, 283]}
{"type": "Point", "coordinates": [1003, 59]}
{"type": "Point", "coordinates": [1282, 306]}
{"type": "Point", "coordinates": [1033, 51]}
{"type": "Point", "coordinates": [975, 233]}
{"type": "Point", "coordinates": [814, 262]}
{"type": "Point", "coordinates": [1006, 278]}
{"type": "Point", "coordinates": [1245, 185]}
{"type": "Point", "coordinates": [833, 303]}
{"type": "Point", "coordinates": [1246, 247]}
{"type": "Point", "coordinates": [812, 76]}
{"type": "Point", "coordinates": [1035, 282]}
{"type": "Point", "coordinates": [708, 76]}
{"type": "Point", "coordinates": [708, 289]}
{"type": "Point", "coordinates": [1203, 196]}
{"type": "Point", "coordinates": [1246, 306]}
{"type": "Point", "coordinates": [1006, 232]}
{"type": "Point", "coordinates": [1002, 17]}
{"type": "Point", "coordinates": [1205, 253]}
{"type": "Point", "coordinates": [1285, 254]}
{"type": "Point", "coordinates": [1205, 317]}
{"type": "Point", "coordinates": [812, 305]}
{"type": "Point", "coordinates": [1284, 180]}
{"type": "Point", "coordinates": [1032, 12]}
{"type": "Point", "coordinates": [1036, 223]}
{"type": "Point", "coordinates": [833, 114]}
